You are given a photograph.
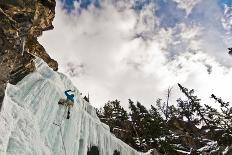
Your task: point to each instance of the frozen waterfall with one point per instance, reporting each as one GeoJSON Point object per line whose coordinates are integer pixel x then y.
{"type": "Point", "coordinates": [32, 123]}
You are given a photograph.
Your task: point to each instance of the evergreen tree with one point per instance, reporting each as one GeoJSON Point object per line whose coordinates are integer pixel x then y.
{"type": "Point", "coordinates": [170, 129]}
{"type": "Point", "coordinates": [191, 108]}
{"type": "Point", "coordinates": [135, 124]}
{"type": "Point", "coordinates": [222, 133]}
{"type": "Point", "coordinates": [116, 117]}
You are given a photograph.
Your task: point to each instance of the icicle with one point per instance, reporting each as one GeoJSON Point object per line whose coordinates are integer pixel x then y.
{"type": "Point", "coordinates": [23, 46]}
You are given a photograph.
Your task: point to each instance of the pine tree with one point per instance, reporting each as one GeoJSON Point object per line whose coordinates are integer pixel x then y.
{"type": "Point", "coordinates": [106, 115]}
{"type": "Point", "coordinates": [116, 117]}
{"type": "Point", "coordinates": [223, 133]}
{"type": "Point", "coordinates": [135, 124]}
{"type": "Point", "coordinates": [177, 129]}
{"type": "Point", "coordinates": [191, 108]}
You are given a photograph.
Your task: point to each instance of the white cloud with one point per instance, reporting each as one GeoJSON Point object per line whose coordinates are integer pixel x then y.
{"type": "Point", "coordinates": [121, 54]}
{"type": "Point", "coordinates": [187, 5]}
{"type": "Point", "coordinates": [227, 19]}
{"type": "Point", "coordinates": [227, 24]}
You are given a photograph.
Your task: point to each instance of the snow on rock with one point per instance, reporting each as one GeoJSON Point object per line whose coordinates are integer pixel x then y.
{"type": "Point", "coordinates": [32, 122]}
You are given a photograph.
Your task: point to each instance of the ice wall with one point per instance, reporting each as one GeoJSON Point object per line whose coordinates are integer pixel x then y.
{"type": "Point", "coordinates": [32, 123]}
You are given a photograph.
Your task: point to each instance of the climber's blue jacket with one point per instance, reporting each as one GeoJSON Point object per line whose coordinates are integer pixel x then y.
{"type": "Point", "coordinates": [70, 97]}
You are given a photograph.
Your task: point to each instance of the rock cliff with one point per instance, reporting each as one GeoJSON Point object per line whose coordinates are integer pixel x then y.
{"type": "Point", "coordinates": [21, 22]}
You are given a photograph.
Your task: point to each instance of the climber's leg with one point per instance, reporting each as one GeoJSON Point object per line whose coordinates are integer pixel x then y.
{"type": "Point", "coordinates": [68, 115]}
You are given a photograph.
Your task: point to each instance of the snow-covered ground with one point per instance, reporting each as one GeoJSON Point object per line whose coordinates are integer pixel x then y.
{"type": "Point", "coordinates": [32, 122]}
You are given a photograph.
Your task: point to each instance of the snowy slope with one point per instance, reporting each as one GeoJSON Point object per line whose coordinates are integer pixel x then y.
{"type": "Point", "coordinates": [30, 112]}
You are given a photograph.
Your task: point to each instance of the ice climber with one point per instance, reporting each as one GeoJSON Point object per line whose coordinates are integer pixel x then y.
{"type": "Point", "coordinates": [69, 102]}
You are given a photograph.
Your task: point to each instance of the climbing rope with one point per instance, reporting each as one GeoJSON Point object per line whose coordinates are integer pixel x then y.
{"type": "Point", "coordinates": [61, 137]}
{"type": "Point", "coordinates": [59, 125]}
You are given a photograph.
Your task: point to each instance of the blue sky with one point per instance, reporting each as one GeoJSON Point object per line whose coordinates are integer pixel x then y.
{"type": "Point", "coordinates": [166, 7]}
{"type": "Point", "coordinates": [120, 49]}
{"type": "Point", "coordinates": [138, 3]}
{"type": "Point", "coordinates": [167, 10]}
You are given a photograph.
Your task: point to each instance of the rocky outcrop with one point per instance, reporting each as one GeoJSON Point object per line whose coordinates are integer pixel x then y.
{"type": "Point", "coordinates": [21, 22]}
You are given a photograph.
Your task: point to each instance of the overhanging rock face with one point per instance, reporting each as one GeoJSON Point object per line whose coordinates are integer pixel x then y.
{"type": "Point", "coordinates": [21, 22]}
{"type": "Point", "coordinates": [32, 122]}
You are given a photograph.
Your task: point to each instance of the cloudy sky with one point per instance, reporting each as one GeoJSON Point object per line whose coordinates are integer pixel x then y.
{"type": "Point", "coordinates": [120, 49]}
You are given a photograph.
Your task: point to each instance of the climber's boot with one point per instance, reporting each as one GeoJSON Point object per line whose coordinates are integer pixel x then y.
{"type": "Point", "coordinates": [68, 116]}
